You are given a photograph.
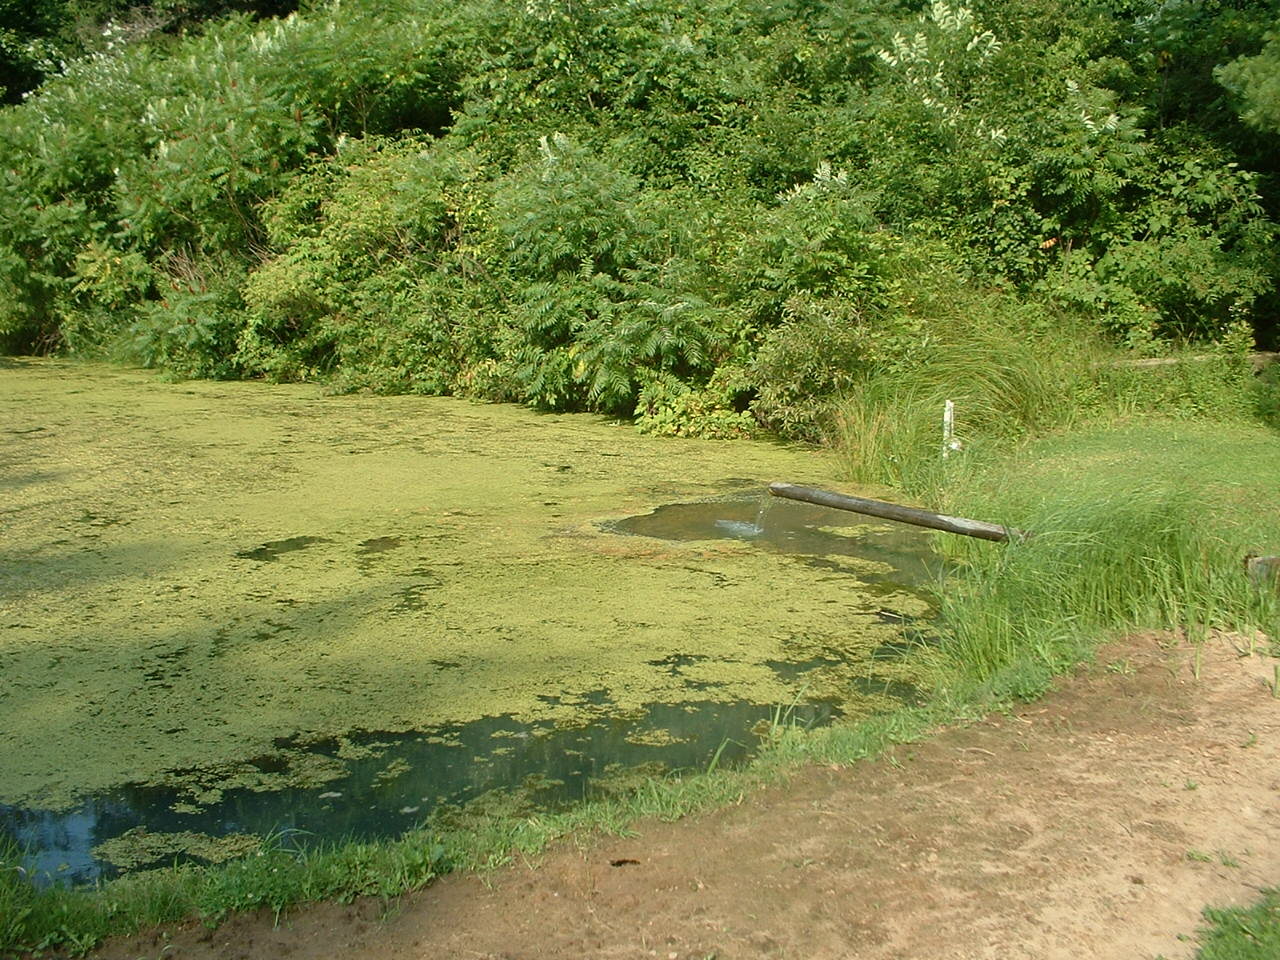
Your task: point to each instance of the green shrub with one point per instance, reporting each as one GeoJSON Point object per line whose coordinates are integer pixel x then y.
{"type": "Point", "coordinates": [1252, 79]}
{"type": "Point", "coordinates": [669, 407]}
{"type": "Point", "coordinates": [378, 270]}
{"type": "Point", "coordinates": [737, 180]}
{"type": "Point", "coordinates": [190, 329]}
{"type": "Point", "coordinates": [164, 145]}
{"type": "Point", "coordinates": [600, 274]}
{"type": "Point", "coordinates": [823, 350]}
{"type": "Point", "coordinates": [1266, 394]}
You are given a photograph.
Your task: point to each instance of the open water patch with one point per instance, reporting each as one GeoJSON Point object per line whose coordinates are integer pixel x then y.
{"type": "Point", "coordinates": [381, 784]}
{"type": "Point", "coordinates": [820, 536]}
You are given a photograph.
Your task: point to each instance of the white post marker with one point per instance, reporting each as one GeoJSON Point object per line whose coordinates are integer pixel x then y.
{"type": "Point", "coordinates": [948, 429]}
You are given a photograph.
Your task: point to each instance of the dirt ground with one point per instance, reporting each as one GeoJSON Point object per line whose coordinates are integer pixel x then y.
{"type": "Point", "coordinates": [1096, 823]}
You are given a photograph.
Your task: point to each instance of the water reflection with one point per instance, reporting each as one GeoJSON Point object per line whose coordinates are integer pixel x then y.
{"type": "Point", "coordinates": [821, 535]}
{"type": "Point", "coordinates": [403, 779]}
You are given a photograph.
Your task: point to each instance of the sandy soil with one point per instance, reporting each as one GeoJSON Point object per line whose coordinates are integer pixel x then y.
{"type": "Point", "coordinates": [1096, 823]}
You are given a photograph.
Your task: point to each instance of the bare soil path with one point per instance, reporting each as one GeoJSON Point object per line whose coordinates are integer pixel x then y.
{"type": "Point", "coordinates": [1095, 823]}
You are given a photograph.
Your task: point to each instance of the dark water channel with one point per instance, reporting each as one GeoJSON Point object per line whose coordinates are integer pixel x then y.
{"type": "Point", "coordinates": [408, 776]}
{"type": "Point", "coordinates": [393, 781]}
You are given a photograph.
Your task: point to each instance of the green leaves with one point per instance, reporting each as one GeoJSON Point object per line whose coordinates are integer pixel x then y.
{"type": "Point", "coordinates": [598, 267]}
{"type": "Point", "coordinates": [1255, 81]}
{"type": "Point", "coordinates": [371, 251]}
{"type": "Point", "coordinates": [608, 206]}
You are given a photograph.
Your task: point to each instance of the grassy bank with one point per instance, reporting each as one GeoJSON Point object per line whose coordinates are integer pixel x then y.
{"type": "Point", "coordinates": [273, 878]}
{"type": "Point", "coordinates": [1144, 487]}
{"type": "Point", "coordinates": [1137, 524]}
{"type": "Point", "coordinates": [1243, 933]}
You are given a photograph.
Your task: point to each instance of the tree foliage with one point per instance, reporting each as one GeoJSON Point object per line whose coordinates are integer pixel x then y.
{"type": "Point", "coordinates": [707, 216]}
{"type": "Point", "coordinates": [1256, 83]}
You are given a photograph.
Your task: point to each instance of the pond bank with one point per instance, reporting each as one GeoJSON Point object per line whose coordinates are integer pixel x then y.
{"type": "Point", "coordinates": [1087, 825]}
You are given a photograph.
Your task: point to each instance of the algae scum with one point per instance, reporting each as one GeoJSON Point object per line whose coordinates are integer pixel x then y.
{"type": "Point", "coordinates": [234, 610]}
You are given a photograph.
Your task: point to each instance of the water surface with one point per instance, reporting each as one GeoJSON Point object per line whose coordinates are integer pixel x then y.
{"type": "Point", "coordinates": [205, 586]}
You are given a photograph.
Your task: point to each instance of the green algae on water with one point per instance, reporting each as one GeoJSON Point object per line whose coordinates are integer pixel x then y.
{"type": "Point", "coordinates": [282, 568]}
{"type": "Point", "coordinates": [139, 848]}
{"type": "Point", "coordinates": [391, 772]}
{"type": "Point", "coordinates": [653, 737]}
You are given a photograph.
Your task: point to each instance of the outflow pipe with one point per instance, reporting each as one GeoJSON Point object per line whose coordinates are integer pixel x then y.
{"type": "Point", "coordinates": [893, 511]}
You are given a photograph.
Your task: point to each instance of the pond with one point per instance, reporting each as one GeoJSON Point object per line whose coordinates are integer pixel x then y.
{"type": "Point", "coordinates": [232, 609]}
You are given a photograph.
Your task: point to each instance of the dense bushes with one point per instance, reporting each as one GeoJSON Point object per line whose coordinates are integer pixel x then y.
{"type": "Point", "coordinates": [707, 217]}
{"type": "Point", "coordinates": [373, 270]}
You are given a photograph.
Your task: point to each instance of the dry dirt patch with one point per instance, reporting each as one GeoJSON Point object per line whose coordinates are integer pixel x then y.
{"type": "Point", "coordinates": [1095, 823]}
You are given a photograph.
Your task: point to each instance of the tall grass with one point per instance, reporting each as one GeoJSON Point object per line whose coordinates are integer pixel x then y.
{"type": "Point", "coordinates": [1114, 547]}
{"type": "Point", "coordinates": [1140, 526]}
{"type": "Point", "coordinates": [1012, 379]}
{"type": "Point", "coordinates": [890, 434]}
{"type": "Point", "coordinates": [1106, 558]}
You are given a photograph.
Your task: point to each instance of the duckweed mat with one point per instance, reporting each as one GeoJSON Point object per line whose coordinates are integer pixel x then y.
{"type": "Point", "coordinates": [205, 586]}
